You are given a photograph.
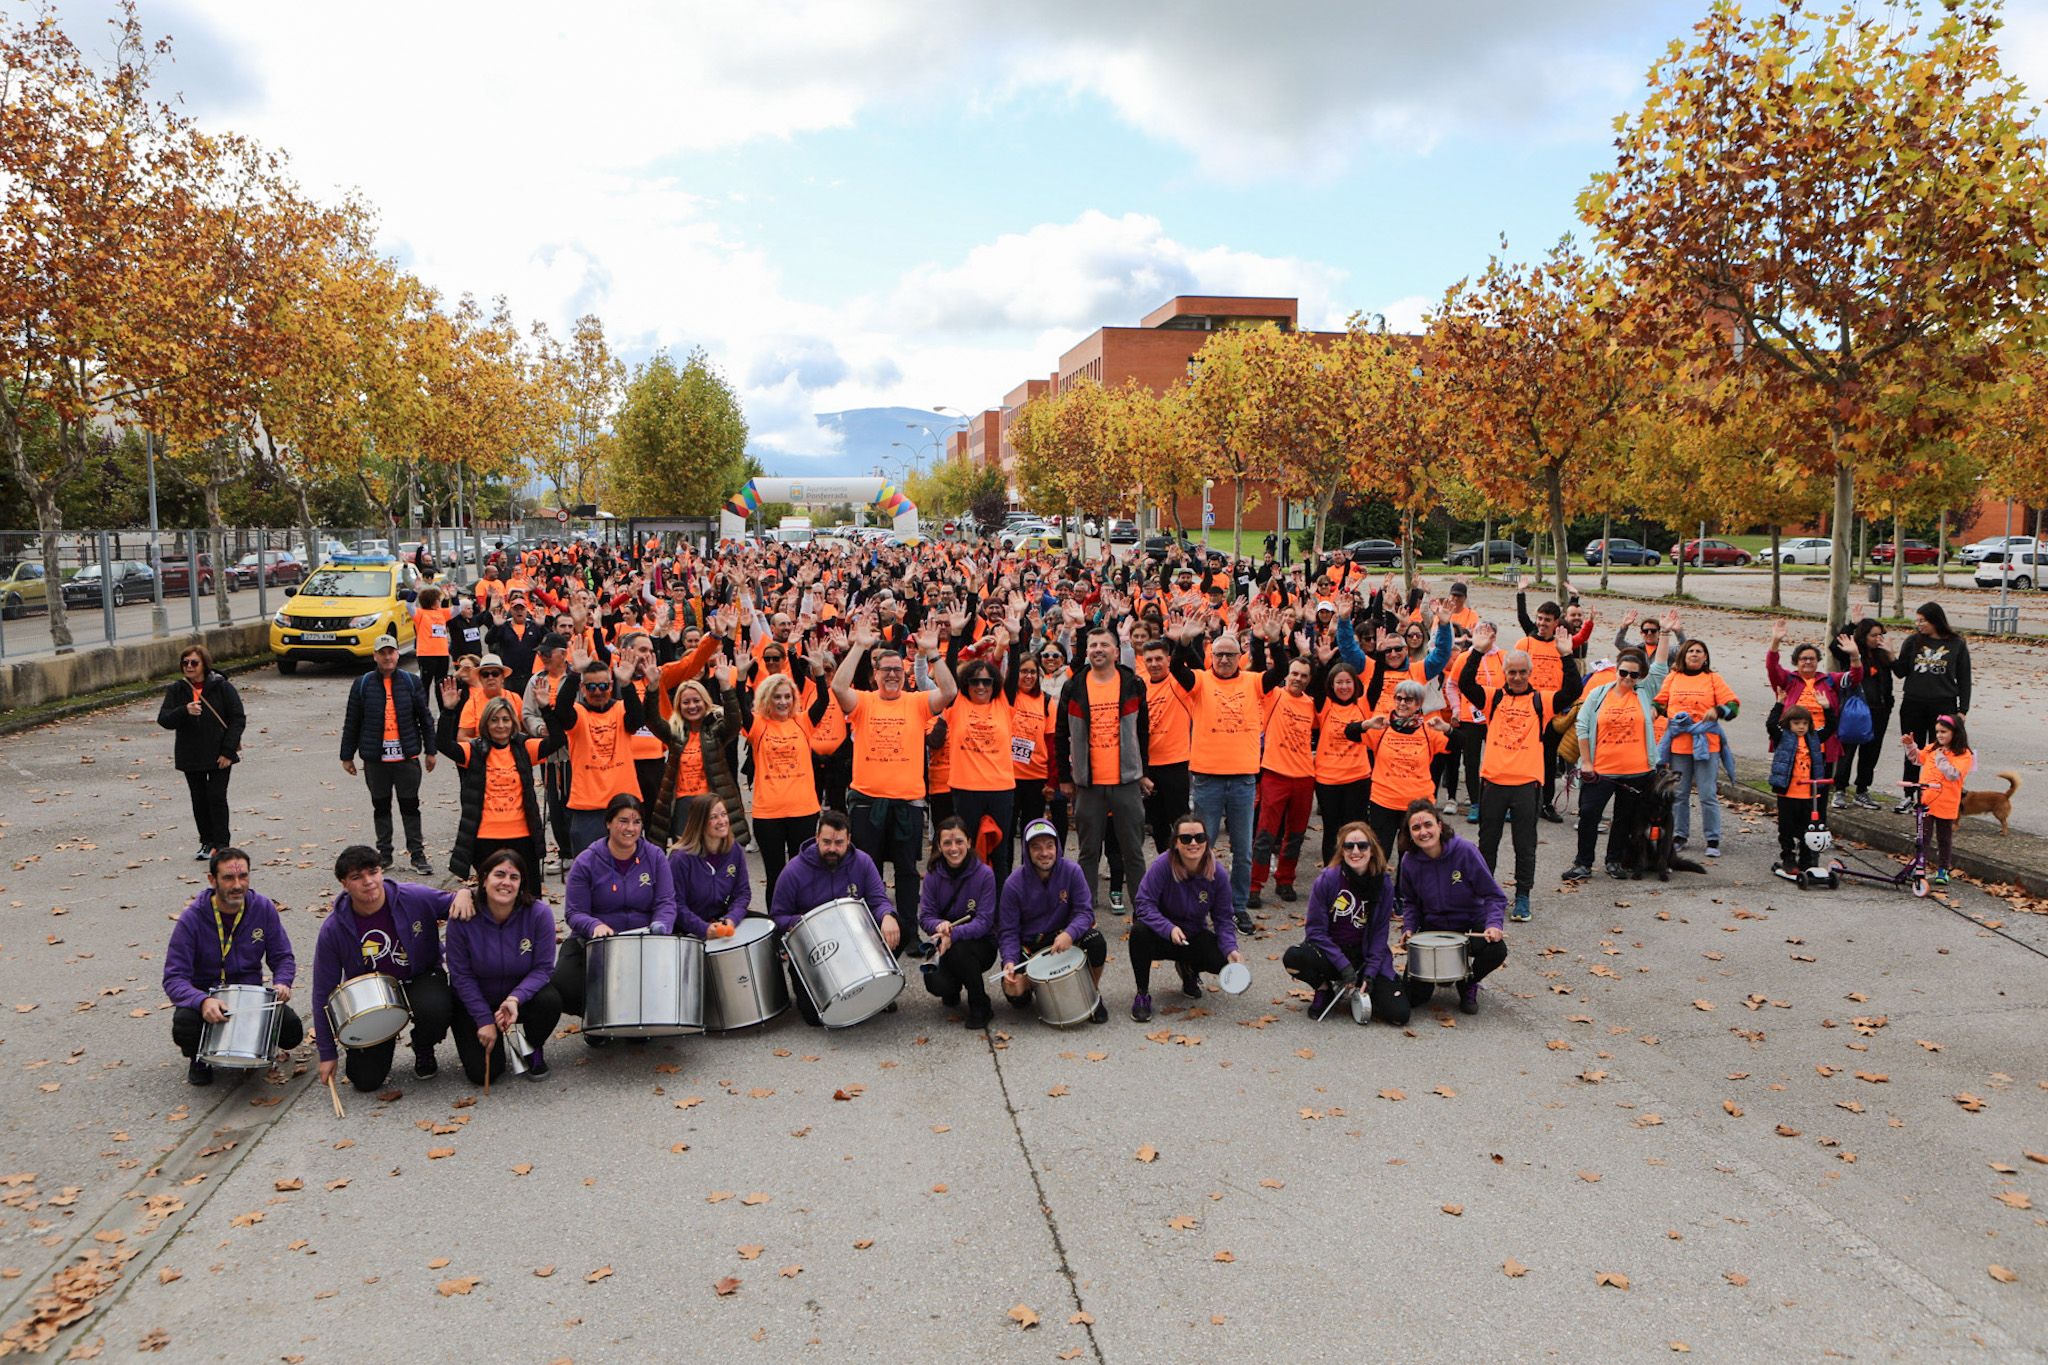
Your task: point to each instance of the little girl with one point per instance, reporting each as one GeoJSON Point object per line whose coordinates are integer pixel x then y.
{"type": "Point", "coordinates": [1943, 766]}
{"type": "Point", "coordinates": [1797, 760]}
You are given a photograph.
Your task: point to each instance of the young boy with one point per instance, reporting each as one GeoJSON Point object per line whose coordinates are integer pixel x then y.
{"type": "Point", "coordinates": [1794, 765]}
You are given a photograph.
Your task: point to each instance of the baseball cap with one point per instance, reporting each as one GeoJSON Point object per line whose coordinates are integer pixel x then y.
{"type": "Point", "coordinates": [387, 642]}
{"type": "Point", "coordinates": [1040, 829]}
{"type": "Point", "coordinates": [1458, 589]}
{"type": "Point", "coordinates": [1326, 605]}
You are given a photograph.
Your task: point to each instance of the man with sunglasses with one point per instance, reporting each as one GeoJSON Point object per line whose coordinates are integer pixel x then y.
{"type": "Point", "coordinates": [1226, 703]}
{"type": "Point", "coordinates": [1100, 743]}
{"type": "Point", "coordinates": [597, 725]}
{"type": "Point", "coordinates": [1617, 752]}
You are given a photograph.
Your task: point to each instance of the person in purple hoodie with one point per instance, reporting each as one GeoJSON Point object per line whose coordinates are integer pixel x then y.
{"type": "Point", "coordinates": [826, 869]}
{"type": "Point", "coordinates": [709, 869]}
{"type": "Point", "coordinates": [1046, 905]}
{"type": "Point", "coordinates": [957, 904]}
{"type": "Point", "coordinates": [621, 882]}
{"type": "Point", "coordinates": [504, 954]}
{"type": "Point", "coordinates": [1184, 913]}
{"type": "Point", "coordinates": [392, 928]}
{"type": "Point", "coordinates": [224, 938]}
{"type": "Point", "coordinates": [1350, 913]}
{"type": "Point", "coordinates": [1444, 883]}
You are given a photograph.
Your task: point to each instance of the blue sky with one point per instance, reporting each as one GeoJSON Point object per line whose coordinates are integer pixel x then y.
{"type": "Point", "coordinates": [856, 203]}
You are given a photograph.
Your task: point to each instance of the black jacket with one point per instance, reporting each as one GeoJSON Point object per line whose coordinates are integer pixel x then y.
{"type": "Point", "coordinates": [215, 731]}
{"type": "Point", "coordinates": [362, 729]}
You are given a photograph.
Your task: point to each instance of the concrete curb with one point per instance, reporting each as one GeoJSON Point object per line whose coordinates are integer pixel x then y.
{"type": "Point", "coordinates": [13, 723]}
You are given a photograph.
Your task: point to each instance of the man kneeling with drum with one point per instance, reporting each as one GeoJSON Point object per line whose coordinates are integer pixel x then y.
{"type": "Point", "coordinates": [1447, 894]}
{"type": "Point", "coordinates": [379, 949]}
{"type": "Point", "coordinates": [1350, 911]}
{"type": "Point", "coordinates": [826, 869]}
{"type": "Point", "coordinates": [223, 939]}
{"type": "Point", "coordinates": [1045, 907]}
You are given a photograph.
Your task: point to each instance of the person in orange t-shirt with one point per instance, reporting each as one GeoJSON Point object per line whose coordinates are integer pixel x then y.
{"type": "Point", "coordinates": [785, 741]}
{"type": "Point", "coordinates": [430, 640]}
{"type": "Point", "coordinates": [1514, 717]}
{"type": "Point", "coordinates": [1404, 748]}
{"type": "Point", "coordinates": [499, 809]}
{"type": "Point", "coordinates": [984, 775]}
{"type": "Point", "coordinates": [1170, 732]}
{"type": "Point", "coordinates": [1226, 702]}
{"type": "Point", "coordinates": [1944, 766]}
{"type": "Point", "coordinates": [1287, 776]}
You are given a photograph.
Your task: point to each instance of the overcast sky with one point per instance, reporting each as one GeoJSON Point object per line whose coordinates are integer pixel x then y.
{"type": "Point", "coordinates": [855, 202]}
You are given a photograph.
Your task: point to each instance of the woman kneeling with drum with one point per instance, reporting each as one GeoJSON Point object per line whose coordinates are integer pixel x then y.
{"type": "Point", "coordinates": [957, 903]}
{"type": "Point", "coordinates": [619, 883]}
{"type": "Point", "coordinates": [1446, 890]}
{"type": "Point", "coordinates": [1046, 907]}
{"type": "Point", "coordinates": [1350, 913]}
{"type": "Point", "coordinates": [709, 869]}
{"type": "Point", "coordinates": [1184, 913]}
{"type": "Point", "coordinates": [504, 953]}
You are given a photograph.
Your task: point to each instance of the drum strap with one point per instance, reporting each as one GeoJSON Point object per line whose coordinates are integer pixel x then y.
{"type": "Point", "coordinates": [226, 932]}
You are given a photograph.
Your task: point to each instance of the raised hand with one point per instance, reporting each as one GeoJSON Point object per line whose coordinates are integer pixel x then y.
{"type": "Point", "coordinates": [1483, 636]}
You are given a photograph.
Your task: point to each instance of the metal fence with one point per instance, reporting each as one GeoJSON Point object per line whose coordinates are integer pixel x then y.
{"type": "Point", "coordinates": [126, 584]}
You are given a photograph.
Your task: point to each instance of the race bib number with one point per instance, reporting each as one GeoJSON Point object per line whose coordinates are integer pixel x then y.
{"type": "Point", "coordinates": [440, 630]}
{"type": "Point", "coordinates": [1022, 749]}
{"type": "Point", "coordinates": [394, 751]}
{"type": "Point", "coordinates": [643, 733]}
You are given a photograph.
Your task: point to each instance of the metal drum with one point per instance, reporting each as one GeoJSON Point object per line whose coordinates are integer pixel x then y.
{"type": "Point", "coordinates": [1062, 987]}
{"type": "Point", "coordinates": [367, 1010]}
{"type": "Point", "coordinates": [248, 1036]}
{"type": "Point", "coordinates": [838, 955]}
{"type": "Point", "coordinates": [1439, 956]}
{"type": "Point", "coordinates": [642, 985]}
{"type": "Point", "coordinates": [743, 986]}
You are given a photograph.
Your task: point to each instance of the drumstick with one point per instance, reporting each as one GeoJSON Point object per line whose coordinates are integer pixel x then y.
{"type": "Point", "coordinates": [487, 1073]}
{"type": "Point", "coordinates": [335, 1095]}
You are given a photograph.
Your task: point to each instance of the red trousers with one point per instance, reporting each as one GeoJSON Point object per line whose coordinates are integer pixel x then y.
{"type": "Point", "coordinates": [1284, 804]}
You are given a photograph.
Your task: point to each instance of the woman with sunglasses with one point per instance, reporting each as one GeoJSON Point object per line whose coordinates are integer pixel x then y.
{"type": "Point", "coordinates": [1444, 885]}
{"type": "Point", "coordinates": [1184, 913]}
{"type": "Point", "coordinates": [1350, 914]}
{"type": "Point", "coordinates": [1617, 753]}
{"type": "Point", "coordinates": [787, 743]}
{"type": "Point", "coordinates": [204, 712]}
{"type": "Point", "coordinates": [984, 776]}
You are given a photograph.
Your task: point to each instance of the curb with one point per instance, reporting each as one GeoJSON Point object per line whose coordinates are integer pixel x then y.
{"type": "Point", "coordinates": [115, 696]}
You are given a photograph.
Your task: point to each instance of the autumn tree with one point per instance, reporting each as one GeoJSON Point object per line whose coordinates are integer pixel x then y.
{"type": "Point", "coordinates": [1842, 193]}
{"type": "Point", "coordinates": [586, 380]}
{"type": "Point", "coordinates": [1394, 426]}
{"type": "Point", "coordinates": [1223, 413]}
{"type": "Point", "coordinates": [681, 439]}
{"type": "Point", "coordinates": [1163, 457]}
{"type": "Point", "coordinates": [2008, 434]}
{"type": "Point", "coordinates": [1065, 448]}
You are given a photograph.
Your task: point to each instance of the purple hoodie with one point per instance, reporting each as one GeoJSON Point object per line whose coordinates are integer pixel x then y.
{"type": "Point", "coordinates": [1192, 906]}
{"type": "Point", "coordinates": [192, 966]}
{"type": "Point", "coordinates": [635, 894]}
{"type": "Point", "coordinates": [338, 952]}
{"type": "Point", "coordinates": [710, 887]}
{"type": "Point", "coordinates": [1350, 927]}
{"type": "Point", "coordinates": [970, 894]}
{"type": "Point", "coordinates": [488, 961]}
{"type": "Point", "coordinates": [806, 883]}
{"type": "Point", "coordinates": [1453, 890]}
{"type": "Point", "coordinates": [1033, 907]}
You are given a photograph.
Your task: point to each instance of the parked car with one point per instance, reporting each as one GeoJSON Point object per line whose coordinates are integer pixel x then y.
{"type": "Point", "coordinates": [1488, 552]}
{"type": "Point", "coordinates": [1979, 551]}
{"type": "Point", "coordinates": [1917, 552]}
{"type": "Point", "coordinates": [1619, 551]}
{"type": "Point", "coordinates": [1044, 540]}
{"type": "Point", "coordinates": [22, 589]}
{"type": "Point", "coordinates": [1804, 550]}
{"type": "Point", "coordinates": [1018, 530]}
{"type": "Point", "coordinates": [1159, 547]}
{"type": "Point", "coordinates": [131, 581]}
{"type": "Point", "coordinates": [279, 567]}
{"type": "Point", "coordinates": [1374, 553]}
{"type": "Point", "coordinates": [342, 608]}
{"type": "Point", "coordinates": [1123, 531]}
{"type": "Point", "coordinates": [2020, 569]}
{"type": "Point", "coordinates": [1714, 554]}
{"type": "Point", "coordinates": [178, 575]}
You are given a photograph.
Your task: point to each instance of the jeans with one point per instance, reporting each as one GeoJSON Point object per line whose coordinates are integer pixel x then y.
{"type": "Point", "coordinates": [554, 785]}
{"type": "Point", "coordinates": [586, 827]}
{"type": "Point", "coordinates": [404, 779]}
{"type": "Point", "coordinates": [209, 787]}
{"type": "Point", "coordinates": [1496, 804]}
{"type": "Point", "coordinates": [1224, 802]}
{"type": "Point", "coordinates": [1701, 772]}
{"type": "Point", "coordinates": [1093, 807]}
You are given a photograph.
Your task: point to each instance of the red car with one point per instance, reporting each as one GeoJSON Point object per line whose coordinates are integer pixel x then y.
{"type": "Point", "coordinates": [1917, 552]}
{"type": "Point", "coordinates": [178, 575]}
{"type": "Point", "coordinates": [1713, 553]}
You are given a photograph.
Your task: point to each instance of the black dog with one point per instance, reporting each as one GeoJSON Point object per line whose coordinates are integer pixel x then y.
{"type": "Point", "coordinates": [1647, 837]}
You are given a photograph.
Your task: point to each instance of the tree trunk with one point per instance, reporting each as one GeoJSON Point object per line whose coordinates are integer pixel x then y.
{"type": "Point", "coordinates": [1678, 558]}
{"type": "Point", "coordinates": [50, 525]}
{"type": "Point", "coordinates": [1941, 551]}
{"type": "Point", "coordinates": [1606, 554]}
{"type": "Point", "coordinates": [1408, 548]}
{"type": "Point", "coordinates": [218, 533]}
{"type": "Point", "coordinates": [1323, 517]}
{"type": "Point", "coordinates": [1486, 548]}
{"type": "Point", "coordinates": [1839, 563]}
{"type": "Point", "coordinates": [1898, 567]}
{"type": "Point", "coordinates": [1777, 571]}
{"type": "Point", "coordinates": [1553, 480]}
{"type": "Point", "coordinates": [1236, 518]}
{"type": "Point", "coordinates": [309, 548]}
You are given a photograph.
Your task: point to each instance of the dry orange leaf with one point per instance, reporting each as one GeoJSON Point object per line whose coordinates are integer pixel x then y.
{"type": "Point", "coordinates": [1590, 1177]}
{"type": "Point", "coordinates": [1612, 1279]}
{"type": "Point", "coordinates": [436, 1153]}
{"type": "Point", "coordinates": [1058, 1090]}
{"type": "Point", "coordinates": [167, 1274]}
{"type": "Point", "coordinates": [1023, 1316]}
{"type": "Point", "coordinates": [790, 1272]}
{"type": "Point", "coordinates": [1392, 1094]}
{"type": "Point", "coordinates": [523, 1168]}
{"type": "Point", "coordinates": [1706, 1006]}
{"type": "Point", "coordinates": [1225, 1256]}
{"type": "Point", "coordinates": [1736, 1278]}
{"type": "Point", "coordinates": [1513, 1268]}
{"type": "Point", "coordinates": [718, 1196]}
{"type": "Point", "coordinates": [286, 1186]}
{"type": "Point", "coordinates": [1455, 1210]}
{"type": "Point", "coordinates": [543, 1272]}
{"type": "Point", "coordinates": [863, 1244]}
{"type": "Point", "coordinates": [2014, 1199]}
{"type": "Point", "coordinates": [1148, 1154]}
{"type": "Point", "coordinates": [1181, 1223]}
{"type": "Point", "coordinates": [748, 1253]}
{"type": "Point", "coordinates": [726, 1287]}
{"type": "Point", "coordinates": [340, 1184]}
{"type": "Point", "coordinates": [1446, 1092]}
{"type": "Point", "coordinates": [757, 1197]}
{"type": "Point", "coordinates": [689, 1101]}
{"type": "Point", "coordinates": [603, 1272]}
{"type": "Point", "coordinates": [1271, 1184]}
{"type": "Point", "coordinates": [1217, 1319]}
{"type": "Point", "coordinates": [437, 1263]}
{"type": "Point", "coordinates": [1083, 1318]}
{"type": "Point", "coordinates": [2001, 1274]}
{"type": "Point", "coordinates": [1734, 1109]}
{"type": "Point", "coordinates": [450, 1288]}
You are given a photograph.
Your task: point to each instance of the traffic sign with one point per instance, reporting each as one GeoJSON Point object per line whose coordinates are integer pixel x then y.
{"type": "Point", "coordinates": [1208, 517]}
{"type": "Point", "coordinates": [562, 515]}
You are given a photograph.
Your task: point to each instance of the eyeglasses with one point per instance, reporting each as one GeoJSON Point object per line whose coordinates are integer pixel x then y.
{"type": "Point", "coordinates": [1356, 845]}
{"type": "Point", "coordinates": [597, 687]}
{"type": "Point", "coordinates": [1191, 840]}
{"type": "Point", "coordinates": [775, 658]}
{"type": "Point", "coordinates": [490, 673]}
{"type": "Point", "coordinates": [190, 663]}
{"type": "Point", "coordinates": [981, 682]}
{"type": "Point", "coordinates": [1627, 673]}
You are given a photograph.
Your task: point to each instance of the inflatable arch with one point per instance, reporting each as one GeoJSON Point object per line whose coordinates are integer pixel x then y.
{"type": "Point", "coordinates": [880, 494]}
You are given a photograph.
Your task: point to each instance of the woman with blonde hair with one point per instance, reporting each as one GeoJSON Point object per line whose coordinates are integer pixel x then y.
{"type": "Point", "coordinates": [783, 737]}
{"type": "Point", "coordinates": [700, 734]}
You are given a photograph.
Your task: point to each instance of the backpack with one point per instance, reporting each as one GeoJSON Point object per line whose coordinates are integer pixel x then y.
{"type": "Point", "coordinates": [1853, 725]}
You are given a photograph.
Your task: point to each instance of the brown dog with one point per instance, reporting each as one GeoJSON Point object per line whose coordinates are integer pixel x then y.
{"type": "Point", "coordinates": [1997, 805]}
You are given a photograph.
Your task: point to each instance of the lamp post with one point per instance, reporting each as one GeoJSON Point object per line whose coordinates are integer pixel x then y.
{"type": "Point", "coordinates": [159, 622]}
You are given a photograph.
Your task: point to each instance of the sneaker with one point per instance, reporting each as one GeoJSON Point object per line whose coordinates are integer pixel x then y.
{"type": "Point", "coordinates": [1839, 801]}
{"type": "Point", "coordinates": [1472, 814]}
{"type": "Point", "coordinates": [1549, 812]}
{"type": "Point", "coordinates": [1116, 902]}
{"type": "Point", "coordinates": [536, 1066]}
{"type": "Point", "coordinates": [889, 1008]}
{"type": "Point", "coordinates": [1617, 871]}
{"type": "Point", "coordinates": [1713, 848]}
{"type": "Point", "coordinates": [1577, 872]}
{"type": "Point", "coordinates": [1319, 1002]}
{"type": "Point", "coordinates": [978, 1016]}
{"type": "Point", "coordinates": [1451, 806]}
{"type": "Point", "coordinates": [1905, 807]}
{"type": "Point", "coordinates": [1244, 923]}
{"type": "Point", "coordinates": [1678, 842]}
{"type": "Point", "coordinates": [1100, 1014]}
{"type": "Point", "coordinates": [424, 1066]}
{"type": "Point", "coordinates": [1254, 900]}
{"type": "Point", "coordinates": [1286, 891]}
{"type": "Point", "coordinates": [1141, 1008]}
{"type": "Point", "coordinates": [1190, 981]}
{"type": "Point", "coordinates": [1468, 997]}
{"type": "Point", "coordinates": [1780, 870]}
{"type": "Point", "coordinates": [1520, 914]}
{"type": "Point", "coordinates": [1941, 877]}
{"type": "Point", "coordinates": [553, 866]}
{"type": "Point", "coordinates": [203, 854]}
{"type": "Point", "coordinates": [421, 865]}
{"type": "Point", "coordinates": [199, 1073]}
{"type": "Point", "coordinates": [1864, 800]}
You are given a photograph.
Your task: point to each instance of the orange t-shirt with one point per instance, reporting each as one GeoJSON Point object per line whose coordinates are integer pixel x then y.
{"type": "Point", "coordinates": [1943, 798]}
{"type": "Point", "coordinates": [430, 632]}
{"type": "Point", "coordinates": [504, 812]}
{"type": "Point", "coordinates": [1621, 736]}
{"type": "Point", "coordinates": [1339, 759]}
{"type": "Point", "coordinates": [1801, 785]}
{"type": "Point", "coordinates": [1546, 663]}
{"type": "Point", "coordinates": [979, 737]}
{"type": "Point", "coordinates": [394, 747]}
{"type": "Point", "coordinates": [830, 731]}
{"type": "Point", "coordinates": [1513, 756]}
{"type": "Point", "coordinates": [888, 744]}
{"type": "Point", "coordinates": [1400, 766]}
{"type": "Point", "coordinates": [600, 759]}
{"type": "Point", "coordinates": [1173, 725]}
{"type": "Point", "coordinates": [785, 784]}
{"type": "Point", "coordinates": [938, 763]}
{"type": "Point", "coordinates": [1390, 681]}
{"type": "Point", "coordinates": [472, 715]}
{"type": "Point", "coordinates": [1697, 694]}
{"type": "Point", "coordinates": [690, 780]}
{"type": "Point", "coordinates": [1030, 728]}
{"type": "Point", "coordinates": [1105, 720]}
{"type": "Point", "coordinates": [1798, 692]}
{"type": "Point", "coordinates": [1290, 734]}
{"type": "Point", "coordinates": [646, 744]}
{"type": "Point", "coordinates": [1226, 720]}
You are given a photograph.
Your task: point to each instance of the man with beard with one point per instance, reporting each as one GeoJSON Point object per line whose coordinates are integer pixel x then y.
{"type": "Point", "coordinates": [224, 938]}
{"type": "Point", "coordinates": [826, 869]}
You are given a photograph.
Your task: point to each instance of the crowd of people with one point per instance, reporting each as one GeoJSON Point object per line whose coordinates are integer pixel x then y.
{"type": "Point", "coordinates": [925, 727]}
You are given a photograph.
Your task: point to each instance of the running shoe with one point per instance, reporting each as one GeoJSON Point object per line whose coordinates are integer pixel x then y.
{"type": "Point", "coordinates": [1141, 1008]}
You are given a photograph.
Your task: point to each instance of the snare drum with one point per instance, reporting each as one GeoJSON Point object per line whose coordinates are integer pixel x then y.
{"type": "Point", "coordinates": [1439, 956]}
{"type": "Point", "coordinates": [743, 987]}
{"type": "Point", "coordinates": [367, 1010]}
{"type": "Point", "coordinates": [1062, 987]}
{"type": "Point", "coordinates": [248, 1036]}
{"type": "Point", "coordinates": [641, 985]}
{"type": "Point", "coordinates": [837, 953]}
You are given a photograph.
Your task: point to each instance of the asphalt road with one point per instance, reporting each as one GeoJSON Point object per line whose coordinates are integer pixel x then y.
{"type": "Point", "coordinates": [1662, 1086]}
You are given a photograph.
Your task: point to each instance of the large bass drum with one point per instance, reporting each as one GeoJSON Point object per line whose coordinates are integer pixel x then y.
{"type": "Point", "coordinates": [838, 954]}
{"type": "Point", "coordinates": [247, 1038]}
{"type": "Point", "coordinates": [642, 985]}
{"type": "Point", "coordinates": [743, 985]}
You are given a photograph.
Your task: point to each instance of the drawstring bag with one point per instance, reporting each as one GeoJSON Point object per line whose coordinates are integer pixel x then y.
{"type": "Point", "coordinates": [1854, 725]}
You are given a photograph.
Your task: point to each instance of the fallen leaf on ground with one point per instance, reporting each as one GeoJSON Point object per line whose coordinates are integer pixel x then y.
{"type": "Point", "coordinates": [1148, 1154]}
{"type": "Point", "coordinates": [726, 1287]}
{"type": "Point", "coordinates": [167, 1274]}
{"type": "Point", "coordinates": [1612, 1279]}
{"type": "Point", "coordinates": [437, 1263]}
{"type": "Point", "coordinates": [1225, 1256]}
{"type": "Point", "coordinates": [1734, 1109]}
{"type": "Point", "coordinates": [1271, 1184]}
{"type": "Point", "coordinates": [603, 1272]}
{"type": "Point", "coordinates": [790, 1272]}
{"type": "Point", "coordinates": [1392, 1094]}
{"type": "Point", "coordinates": [1455, 1210]}
{"type": "Point", "coordinates": [1084, 1318]}
{"type": "Point", "coordinates": [543, 1272]}
{"type": "Point", "coordinates": [523, 1168]}
{"type": "Point", "coordinates": [286, 1186]}
{"type": "Point", "coordinates": [436, 1153]}
{"type": "Point", "coordinates": [1057, 1090]}
{"type": "Point", "coordinates": [2014, 1199]}
{"type": "Point", "coordinates": [450, 1288]}
{"type": "Point", "coordinates": [748, 1253]}
{"type": "Point", "coordinates": [1023, 1316]}
{"type": "Point", "coordinates": [757, 1197]}
{"type": "Point", "coordinates": [863, 1244]}
{"type": "Point", "coordinates": [1181, 1223]}
{"type": "Point", "coordinates": [1513, 1268]}
{"type": "Point", "coordinates": [1736, 1278]}
{"type": "Point", "coordinates": [2001, 1274]}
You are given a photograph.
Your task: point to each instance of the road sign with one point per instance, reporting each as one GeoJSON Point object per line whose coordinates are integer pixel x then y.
{"type": "Point", "coordinates": [562, 515]}
{"type": "Point", "coordinates": [1208, 517]}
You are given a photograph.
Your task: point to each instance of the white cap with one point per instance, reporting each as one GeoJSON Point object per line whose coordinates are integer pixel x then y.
{"type": "Point", "coordinates": [387, 642]}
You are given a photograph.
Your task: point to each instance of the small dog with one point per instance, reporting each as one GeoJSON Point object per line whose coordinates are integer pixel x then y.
{"type": "Point", "coordinates": [1997, 805]}
{"type": "Point", "coordinates": [1648, 839]}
